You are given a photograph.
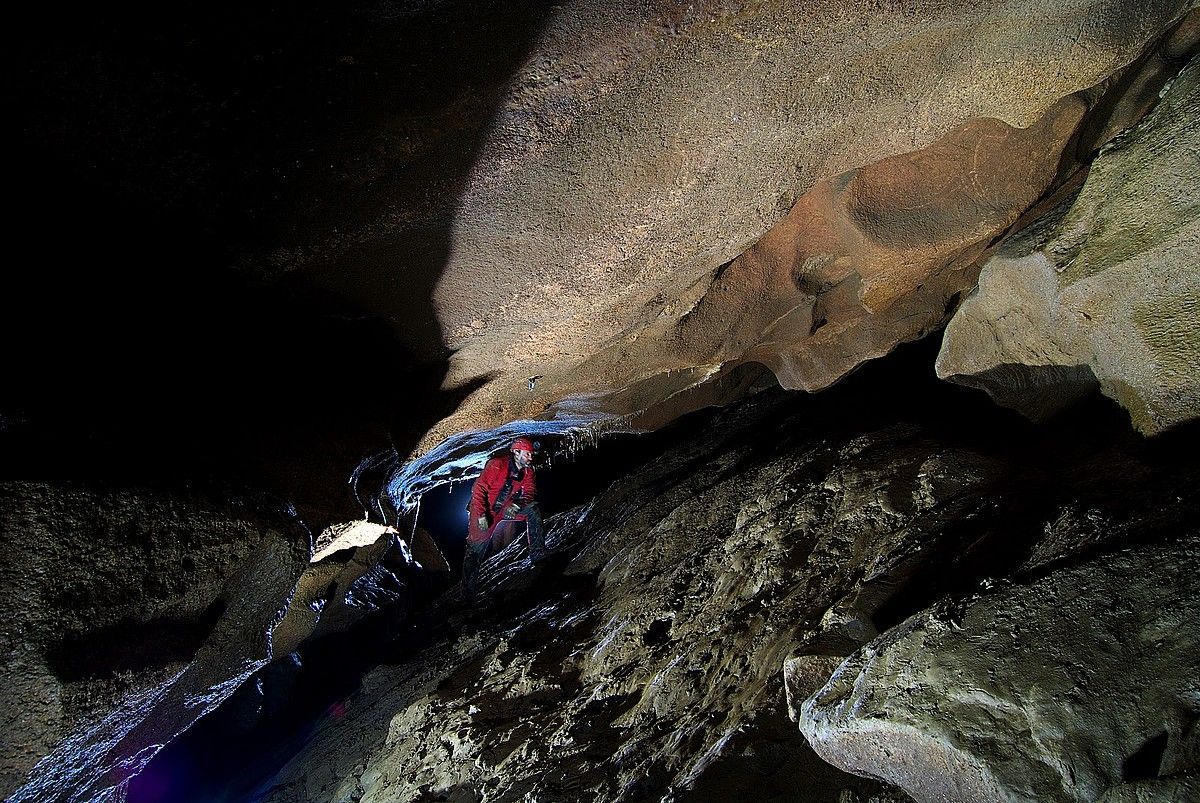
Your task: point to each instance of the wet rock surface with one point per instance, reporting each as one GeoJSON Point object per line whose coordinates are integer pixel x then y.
{"type": "Point", "coordinates": [648, 662]}
{"type": "Point", "coordinates": [127, 615]}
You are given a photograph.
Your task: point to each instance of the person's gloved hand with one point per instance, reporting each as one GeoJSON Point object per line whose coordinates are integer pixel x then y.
{"type": "Point", "coordinates": [513, 510]}
{"type": "Point", "coordinates": [482, 522]}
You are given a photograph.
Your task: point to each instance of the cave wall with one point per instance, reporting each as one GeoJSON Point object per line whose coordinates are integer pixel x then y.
{"type": "Point", "coordinates": [128, 615]}
{"type": "Point", "coordinates": [1103, 291]}
{"type": "Point", "coordinates": [266, 244]}
{"type": "Point", "coordinates": [927, 566]}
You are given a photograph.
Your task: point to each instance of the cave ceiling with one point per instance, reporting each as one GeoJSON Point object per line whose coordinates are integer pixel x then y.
{"type": "Point", "coordinates": [478, 214]}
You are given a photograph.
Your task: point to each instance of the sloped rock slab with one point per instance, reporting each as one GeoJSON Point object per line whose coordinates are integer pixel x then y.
{"type": "Point", "coordinates": [125, 616]}
{"type": "Point", "coordinates": [1181, 788]}
{"type": "Point", "coordinates": [1083, 680]}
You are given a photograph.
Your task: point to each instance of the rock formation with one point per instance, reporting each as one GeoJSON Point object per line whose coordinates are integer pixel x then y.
{"type": "Point", "coordinates": [863, 239]}
{"type": "Point", "coordinates": [276, 249]}
{"type": "Point", "coordinates": [128, 615]}
{"type": "Point", "coordinates": [1055, 690]}
{"type": "Point", "coordinates": [1104, 290]}
{"type": "Point", "coordinates": [347, 581]}
{"type": "Point", "coordinates": [655, 667]}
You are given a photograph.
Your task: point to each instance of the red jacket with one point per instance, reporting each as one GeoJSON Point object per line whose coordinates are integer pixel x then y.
{"type": "Point", "coordinates": [488, 487]}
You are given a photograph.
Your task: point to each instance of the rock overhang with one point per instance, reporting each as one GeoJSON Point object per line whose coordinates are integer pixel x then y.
{"type": "Point", "coordinates": [577, 231]}
{"type": "Point", "coordinates": [640, 238]}
{"type": "Point", "coordinates": [634, 205]}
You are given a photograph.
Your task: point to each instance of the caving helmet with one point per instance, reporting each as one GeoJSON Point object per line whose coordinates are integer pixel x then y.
{"type": "Point", "coordinates": [523, 444]}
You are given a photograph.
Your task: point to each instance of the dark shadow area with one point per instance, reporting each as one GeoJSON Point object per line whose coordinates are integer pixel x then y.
{"type": "Point", "coordinates": [1070, 462]}
{"type": "Point", "coordinates": [231, 753]}
{"type": "Point", "coordinates": [773, 756]}
{"type": "Point", "coordinates": [1085, 462]}
{"type": "Point", "coordinates": [1146, 761]}
{"type": "Point", "coordinates": [200, 188]}
{"type": "Point", "coordinates": [131, 646]}
{"type": "Point", "coordinates": [444, 516]}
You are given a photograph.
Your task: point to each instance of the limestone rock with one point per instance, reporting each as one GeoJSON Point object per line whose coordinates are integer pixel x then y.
{"type": "Point", "coordinates": [624, 199]}
{"type": "Point", "coordinates": [695, 606]}
{"type": "Point", "coordinates": [803, 676]}
{"type": "Point", "coordinates": [667, 194]}
{"type": "Point", "coordinates": [1105, 291]}
{"type": "Point", "coordinates": [366, 569]}
{"type": "Point", "coordinates": [655, 665]}
{"type": "Point", "coordinates": [127, 615]}
{"type": "Point", "coordinates": [1055, 690]}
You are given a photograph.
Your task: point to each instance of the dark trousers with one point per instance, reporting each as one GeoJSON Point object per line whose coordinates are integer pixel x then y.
{"type": "Point", "coordinates": [501, 535]}
{"type": "Point", "coordinates": [474, 557]}
{"type": "Point", "coordinates": [534, 532]}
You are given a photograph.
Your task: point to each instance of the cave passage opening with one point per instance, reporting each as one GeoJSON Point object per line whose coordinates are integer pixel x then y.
{"type": "Point", "coordinates": [567, 476]}
{"type": "Point", "coordinates": [232, 753]}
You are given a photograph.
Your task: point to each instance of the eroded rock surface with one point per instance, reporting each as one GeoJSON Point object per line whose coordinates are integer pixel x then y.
{"type": "Point", "coordinates": [544, 210]}
{"type": "Point", "coordinates": [1103, 291]}
{"type": "Point", "coordinates": [598, 241]}
{"type": "Point", "coordinates": [654, 667]}
{"type": "Point", "coordinates": [127, 615]}
{"type": "Point", "coordinates": [343, 586]}
{"type": "Point", "coordinates": [1055, 690]}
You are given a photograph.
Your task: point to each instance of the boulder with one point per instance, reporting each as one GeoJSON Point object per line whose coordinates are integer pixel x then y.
{"type": "Point", "coordinates": [1057, 689]}
{"type": "Point", "coordinates": [363, 569]}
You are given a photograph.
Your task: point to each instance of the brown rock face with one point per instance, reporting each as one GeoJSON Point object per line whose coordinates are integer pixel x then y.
{"type": "Point", "coordinates": [607, 250]}
{"type": "Point", "coordinates": [445, 200]}
{"type": "Point", "coordinates": [868, 259]}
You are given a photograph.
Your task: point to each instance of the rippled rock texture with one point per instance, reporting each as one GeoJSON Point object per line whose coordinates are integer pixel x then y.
{"type": "Point", "coordinates": [800, 185]}
{"type": "Point", "coordinates": [653, 667]}
{"type": "Point", "coordinates": [447, 199]}
{"type": "Point", "coordinates": [1103, 291]}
